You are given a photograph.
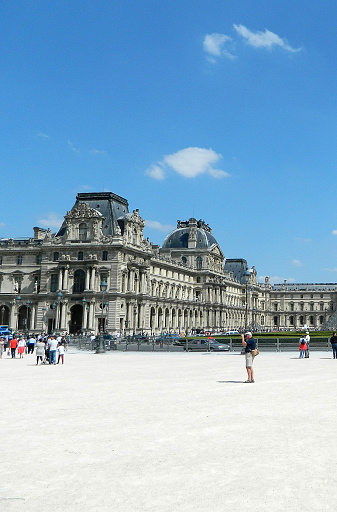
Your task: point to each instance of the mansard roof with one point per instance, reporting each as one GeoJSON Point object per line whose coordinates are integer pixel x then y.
{"type": "Point", "coordinates": [109, 205]}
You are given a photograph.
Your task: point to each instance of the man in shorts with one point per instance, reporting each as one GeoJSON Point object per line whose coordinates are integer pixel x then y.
{"type": "Point", "coordinates": [249, 344]}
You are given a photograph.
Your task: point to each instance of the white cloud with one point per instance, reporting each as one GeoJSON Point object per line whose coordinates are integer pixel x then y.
{"type": "Point", "coordinates": [42, 135]}
{"type": "Point", "coordinates": [52, 220]}
{"type": "Point", "coordinates": [154, 224]}
{"type": "Point", "coordinates": [97, 151]}
{"type": "Point", "coordinates": [188, 162]}
{"type": "Point", "coordinates": [334, 232]}
{"type": "Point", "coordinates": [297, 263]}
{"type": "Point", "coordinates": [2, 224]}
{"type": "Point", "coordinates": [214, 46]}
{"type": "Point", "coordinates": [329, 269]}
{"type": "Point", "coordinates": [264, 39]}
{"type": "Point", "coordinates": [72, 147]}
{"type": "Point", "coordinates": [156, 172]}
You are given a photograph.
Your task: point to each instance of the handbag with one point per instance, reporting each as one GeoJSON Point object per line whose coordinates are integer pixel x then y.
{"type": "Point", "coordinates": [255, 352]}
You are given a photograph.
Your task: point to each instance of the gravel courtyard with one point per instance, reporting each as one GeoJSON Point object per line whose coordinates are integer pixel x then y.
{"type": "Point", "coordinates": [169, 432]}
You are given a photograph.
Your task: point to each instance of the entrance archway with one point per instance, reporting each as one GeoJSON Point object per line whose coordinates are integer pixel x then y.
{"type": "Point", "coordinates": [76, 317]}
{"type": "Point", "coordinates": [4, 315]}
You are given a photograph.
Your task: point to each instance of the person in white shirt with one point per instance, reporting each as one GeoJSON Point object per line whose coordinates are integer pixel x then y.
{"type": "Point", "coordinates": [60, 350]}
{"type": "Point", "coordinates": [52, 343]}
{"type": "Point", "coordinates": [307, 340]}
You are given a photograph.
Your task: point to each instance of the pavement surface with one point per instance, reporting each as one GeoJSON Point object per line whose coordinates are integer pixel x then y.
{"type": "Point", "coordinates": [169, 432]}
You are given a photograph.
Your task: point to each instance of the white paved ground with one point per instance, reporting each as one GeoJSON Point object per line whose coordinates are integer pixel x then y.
{"type": "Point", "coordinates": [169, 432]}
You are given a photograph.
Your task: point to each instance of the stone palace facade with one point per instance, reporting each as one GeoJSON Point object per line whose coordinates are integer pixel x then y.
{"type": "Point", "coordinates": [99, 273]}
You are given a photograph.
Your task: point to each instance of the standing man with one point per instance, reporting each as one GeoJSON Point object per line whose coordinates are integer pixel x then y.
{"type": "Point", "coordinates": [52, 343]}
{"type": "Point", "coordinates": [307, 340]}
{"type": "Point", "coordinates": [13, 345]}
{"type": "Point", "coordinates": [31, 344]}
{"type": "Point", "coordinates": [333, 341]}
{"type": "Point", "coordinates": [249, 344]}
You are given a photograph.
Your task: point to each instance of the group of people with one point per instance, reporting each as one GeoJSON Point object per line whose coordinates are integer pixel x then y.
{"type": "Point", "coordinates": [46, 348]}
{"type": "Point", "coordinates": [304, 346]}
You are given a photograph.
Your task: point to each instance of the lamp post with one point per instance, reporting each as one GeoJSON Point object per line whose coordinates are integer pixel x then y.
{"type": "Point", "coordinates": [17, 301]}
{"type": "Point", "coordinates": [101, 347]}
{"type": "Point", "coordinates": [84, 324]}
{"type": "Point", "coordinates": [2, 314]}
{"type": "Point", "coordinates": [58, 312]}
{"type": "Point", "coordinates": [134, 318]}
{"type": "Point", "coordinates": [27, 315]}
{"type": "Point", "coordinates": [44, 319]}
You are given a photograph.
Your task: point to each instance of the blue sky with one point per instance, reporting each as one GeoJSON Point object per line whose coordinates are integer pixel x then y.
{"type": "Point", "coordinates": [221, 110]}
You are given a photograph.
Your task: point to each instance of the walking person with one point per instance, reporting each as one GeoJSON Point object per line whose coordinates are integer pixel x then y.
{"type": "Point", "coordinates": [13, 344]}
{"type": "Point", "coordinates": [21, 347]}
{"type": "Point", "coordinates": [40, 351]}
{"type": "Point", "coordinates": [303, 348]}
{"type": "Point", "coordinates": [31, 345]}
{"type": "Point", "coordinates": [60, 350]}
{"type": "Point", "coordinates": [307, 340]}
{"type": "Point", "coordinates": [333, 341]}
{"type": "Point", "coordinates": [249, 344]}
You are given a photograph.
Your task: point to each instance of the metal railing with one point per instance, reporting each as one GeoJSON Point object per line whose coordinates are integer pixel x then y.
{"type": "Point", "coordinates": [155, 344]}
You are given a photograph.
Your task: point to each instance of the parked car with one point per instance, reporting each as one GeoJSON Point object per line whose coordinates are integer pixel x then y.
{"type": "Point", "coordinates": [231, 333]}
{"type": "Point", "coordinates": [204, 345]}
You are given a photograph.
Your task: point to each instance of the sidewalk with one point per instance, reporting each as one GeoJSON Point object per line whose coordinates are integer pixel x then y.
{"type": "Point", "coordinates": [168, 432]}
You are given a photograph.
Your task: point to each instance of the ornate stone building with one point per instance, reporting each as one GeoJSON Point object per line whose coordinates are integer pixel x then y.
{"type": "Point", "coordinates": [98, 272]}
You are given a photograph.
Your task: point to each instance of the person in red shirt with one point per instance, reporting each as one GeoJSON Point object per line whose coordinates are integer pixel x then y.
{"type": "Point", "coordinates": [13, 344]}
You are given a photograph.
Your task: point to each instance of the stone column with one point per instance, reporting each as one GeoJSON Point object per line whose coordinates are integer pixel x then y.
{"type": "Point", "coordinates": [65, 278]}
{"type": "Point", "coordinates": [87, 279]}
{"type": "Point", "coordinates": [93, 279]}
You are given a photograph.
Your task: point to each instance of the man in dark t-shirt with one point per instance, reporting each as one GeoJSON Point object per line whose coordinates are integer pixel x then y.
{"type": "Point", "coordinates": [333, 341]}
{"type": "Point", "coordinates": [250, 344]}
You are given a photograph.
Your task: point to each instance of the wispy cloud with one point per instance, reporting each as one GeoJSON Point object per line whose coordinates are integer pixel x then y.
{"type": "Point", "coordinates": [52, 220]}
{"type": "Point", "coordinates": [296, 263]}
{"type": "Point", "coordinates": [72, 147]}
{"type": "Point", "coordinates": [214, 46]}
{"type": "Point", "coordinates": [2, 225]}
{"type": "Point", "coordinates": [334, 232]}
{"type": "Point", "coordinates": [42, 135]}
{"type": "Point", "coordinates": [329, 269]}
{"type": "Point", "coordinates": [154, 224]}
{"type": "Point", "coordinates": [266, 39]}
{"type": "Point", "coordinates": [304, 240]}
{"type": "Point", "coordinates": [95, 151]}
{"type": "Point", "coordinates": [188, 162]}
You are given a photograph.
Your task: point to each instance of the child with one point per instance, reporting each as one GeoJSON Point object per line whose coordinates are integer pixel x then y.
{"type": "Point", "coordinates": [60, 349]}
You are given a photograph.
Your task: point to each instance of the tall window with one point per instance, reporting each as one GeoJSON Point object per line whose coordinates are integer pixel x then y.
{"type": "Point", "coordinates": [80, 256]}
{"type": "Point", "coordinates": [105, 255]}
{"type": "Point", "coordinates": [79, 281]}
{"type": "Point", "coordinates": [56, 256]}
{"type": "Point", "coordinates": [83, 231]}
{"type": "Point", "coordinates": [19, 259]}
{"type": "Point", "coordinates": [54, 282]}
{"type": "Point", "coordinates": [184, 260]}
{"type": "Point", "coordinates": [0, 260]}
{"type": "Point", "coordinates": [199, 262]}
{"type": "Point", "coordinates": [39, 259]}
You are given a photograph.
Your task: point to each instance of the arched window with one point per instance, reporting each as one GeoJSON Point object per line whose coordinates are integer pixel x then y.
{"type": "Point", "coordinates": [105, 255]}
{"type": "Point", "coordinates": [56, 256]}
{"type": "Point", "coordinates": [199, 262]}
{"type": "Point", "coordinates": [184, 260]}
{"type": "Point", "coordinates": [82, 231]}
{"type": "Point", "coordinates": [79, 281]}
{"type": "Point", "coordinates": [80, 256]}
{"type": "Point", "coordinates": [291, 320]}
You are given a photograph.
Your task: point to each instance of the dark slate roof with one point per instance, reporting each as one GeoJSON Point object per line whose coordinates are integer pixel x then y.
{"type": "Point", "coordinates": [110, 205]}
{"type": "Point", "coordinates": [178, 239]}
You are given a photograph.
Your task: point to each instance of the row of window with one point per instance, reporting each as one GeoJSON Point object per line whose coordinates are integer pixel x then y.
{"type": "Point", "coordinates": [302, 320]}
{"type": "Point", "coordinates": [56, 255]}
{"type": "Point", "coordinates": [79, 281]}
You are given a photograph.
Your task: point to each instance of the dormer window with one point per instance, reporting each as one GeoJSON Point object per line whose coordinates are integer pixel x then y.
{"type": "Point", "coordinates": [83, 231]}
{"type": "Point", "coordinates": [105, 256]}
{"type": "Point", "coordinates": [56, 256]}
{"type": "Point", "coordinates": [80, 256]}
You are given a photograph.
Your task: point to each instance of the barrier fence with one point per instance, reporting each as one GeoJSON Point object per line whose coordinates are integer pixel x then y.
{"type": "Point", "coordinates": [153, 344]}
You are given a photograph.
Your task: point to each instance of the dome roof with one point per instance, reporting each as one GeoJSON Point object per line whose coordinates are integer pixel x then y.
{"type": "Point", "coordinates": [178, 239]}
